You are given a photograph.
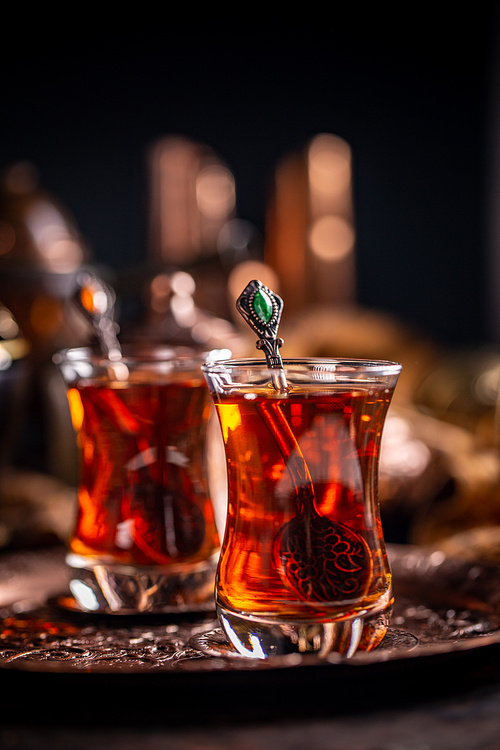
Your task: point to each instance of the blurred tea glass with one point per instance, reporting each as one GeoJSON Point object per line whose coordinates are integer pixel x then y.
{"type": "Point", "coordinates": [303, 565]}
{"type": "Point", "coordinates": [145, 538]}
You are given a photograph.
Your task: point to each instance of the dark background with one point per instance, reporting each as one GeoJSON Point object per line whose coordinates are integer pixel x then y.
{"type": "Point", "coordinates": [413, 96]}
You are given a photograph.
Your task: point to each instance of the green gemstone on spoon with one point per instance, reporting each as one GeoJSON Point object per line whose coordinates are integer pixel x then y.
{"type": "Point", "coordinates": [262, 305]}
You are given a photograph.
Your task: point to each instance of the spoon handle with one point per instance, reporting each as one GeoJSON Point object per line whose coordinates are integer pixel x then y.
{"type": "Point", "coordinates": [261, 308]}
{"type": "Point", "coordinates": [96, 301]}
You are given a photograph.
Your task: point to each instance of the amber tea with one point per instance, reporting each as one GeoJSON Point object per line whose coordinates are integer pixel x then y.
{"type": "Point", "coordinates": [143, 497]}
{"type": "Point", "coordinates": [145, 538]}
{"type": "Point", "coordinates": [303, 563]}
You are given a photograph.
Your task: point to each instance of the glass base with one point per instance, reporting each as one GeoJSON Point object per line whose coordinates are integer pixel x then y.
{"type": "Point", "coordinates": [124, 589]}
{"type": "Point", "coordinates": [260, 639]}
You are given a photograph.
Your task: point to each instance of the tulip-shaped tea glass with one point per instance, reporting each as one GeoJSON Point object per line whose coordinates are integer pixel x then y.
{"type": "Point", "coordinates": [303, 565]}
{"type": "Point", "coordinates": [145, 538]}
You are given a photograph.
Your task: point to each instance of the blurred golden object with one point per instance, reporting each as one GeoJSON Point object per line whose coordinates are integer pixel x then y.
{"type": "Point", "coordinates": [310, 233]}
{"type": "Point", "coordinates": [456, 410]}
{"type": "Point", "coordinates": [195, 240]}
{"type": "Point", "coordinates": [328, 331]}
{"type": "Point", "coordinates": [435, 478]}
{"type": "Point", "coordinates": [41, 251]}
{"type": "Point", "coordinates": [192, 199]}
{"type": "Point", "coordinates": [192, 196]}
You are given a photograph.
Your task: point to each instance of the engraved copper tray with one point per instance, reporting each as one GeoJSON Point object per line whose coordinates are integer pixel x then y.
{"type": "Point", "coordinates": [445, 630]}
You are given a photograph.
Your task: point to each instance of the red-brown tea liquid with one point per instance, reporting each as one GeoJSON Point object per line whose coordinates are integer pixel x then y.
{"type": "Point", "coordinates": [143, 494]}
{"type": "Point", "coordinates": [289, 554]}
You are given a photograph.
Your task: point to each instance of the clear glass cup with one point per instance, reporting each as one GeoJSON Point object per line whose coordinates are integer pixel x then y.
{"type": "Point", "coordinates": [145, 538]}
{"type": "Point", "coordinates": [303, 565]}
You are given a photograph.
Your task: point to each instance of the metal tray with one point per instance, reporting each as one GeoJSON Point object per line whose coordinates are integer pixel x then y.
{"type": "Point", "coordinates": [445, 630]}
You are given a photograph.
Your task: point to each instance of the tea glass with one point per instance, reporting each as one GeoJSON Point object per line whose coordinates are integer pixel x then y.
{"type": "Point", "coordinates": [303, 565]}
{"type": "Point", "coordinates": [145, 538]}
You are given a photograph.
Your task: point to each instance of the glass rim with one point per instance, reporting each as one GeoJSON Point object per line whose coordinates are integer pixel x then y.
{"type": "Point", "coordinates": [145, 354]}
{"type": "Point", "coordinates": [347, 364]}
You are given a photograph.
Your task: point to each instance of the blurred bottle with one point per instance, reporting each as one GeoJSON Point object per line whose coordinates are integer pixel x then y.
{"type": "Point", "coordinates": [192, 197]}
{"type": "Point", "coordinates": [310, 235]}
{"type": "Point", "coordinates": [195, 240]}
{"type": "Point", "coordinates": [40, 253]}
